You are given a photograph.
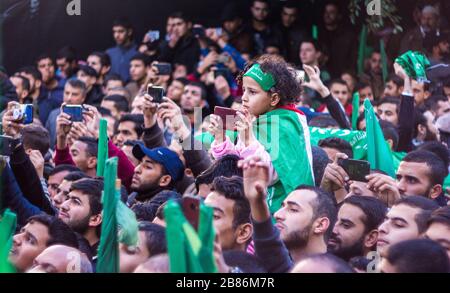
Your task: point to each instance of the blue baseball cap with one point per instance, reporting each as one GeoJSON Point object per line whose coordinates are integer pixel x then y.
{"type": "Point", "coordinates": [164, 156]}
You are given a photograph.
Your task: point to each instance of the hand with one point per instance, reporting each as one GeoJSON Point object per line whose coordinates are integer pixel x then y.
{"type": "Point", "coordinates": [10, 126]}
{"type": "Point", "coordinates": [171, 112]}
{"type": "Point", "coordinates": [207, 62]}
{"type": "Point", "coordinates": [222, 266]}
{"type": "Point", "coordinates": [315, 83]}
{"type": "Point", "coordinates": [38, 162]}
{"type": "Point", "coordinates": [222, 87]}
{"type": "Point", "coordinates": [231, 64]}
{"type": "Point", "coordinates": [78, 130]}
{"type": "Point", "coordinates": [407, 82]}
{"type": "Point", "coordinates": [335, 177]}
{"type": "Point", "coordinates": [216, 128]}
{"type": "Point", "coordinates": [211, 33]}
{"type": "Point", "coordinates": [244, 127]}
{"type": "Point", "coordinates": [385, 187]}
{"type": "Point", "coordinates": [63, 125]}
{"type": "Point", "coordinates": [150, 109]}
{"type": "Point", "coordinates": [92, 120]}
{"type": "Point", "coordinates": [174, 38]}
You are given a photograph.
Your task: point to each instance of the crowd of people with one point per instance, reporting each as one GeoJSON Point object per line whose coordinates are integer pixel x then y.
{"type": "Point", "coordinates": [282, 200]}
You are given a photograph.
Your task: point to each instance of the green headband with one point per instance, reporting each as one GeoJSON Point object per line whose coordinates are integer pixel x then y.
{"type": "Point", "coordinates": [265, 80]}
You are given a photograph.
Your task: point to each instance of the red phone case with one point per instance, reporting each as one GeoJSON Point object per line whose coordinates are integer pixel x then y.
{"type": "Point", "coordinates": [228, 117]}
{"type": "Point", "coordinates": [191, 210]}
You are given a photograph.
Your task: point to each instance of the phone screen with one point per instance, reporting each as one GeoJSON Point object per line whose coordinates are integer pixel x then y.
{"type": "Point", "coordinates": [356, 170]}
{"type": "Point", "coordinates": [5, 145]}
{"type": "Point", "coordinates": [28, 117]}
{"type": "Point", "coordinates": [75, 112]}
{"type": "Point", "coordinates": [164, 68]}
{"type": "Point", "coordinates": [157, 93]}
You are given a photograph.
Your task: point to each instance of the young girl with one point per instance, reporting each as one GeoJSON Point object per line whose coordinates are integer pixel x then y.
{"type": "Point", "coordinates": [270, 127]}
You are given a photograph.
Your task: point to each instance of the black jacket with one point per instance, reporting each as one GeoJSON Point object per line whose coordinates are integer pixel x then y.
{"type": "Point", "coordinates": [186, 52]}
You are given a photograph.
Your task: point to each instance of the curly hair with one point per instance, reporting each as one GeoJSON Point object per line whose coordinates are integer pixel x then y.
{"type": "Point", "coordinates": [286, 85]}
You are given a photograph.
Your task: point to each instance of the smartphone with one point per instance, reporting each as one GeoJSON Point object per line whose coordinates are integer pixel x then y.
{"type": "Point", "coordinates": [228, 117]}
{"type": "Point", "coordinates": [221, 72]}
{"type": "Point", "coordinates": [75, 112]}
{"type": "Point", "coordinates": [153, 36]}
{"type": "Point", "coordinates": [219, 31]}
{"type": "Point", "coordinates": [355, 169]}
{"type": "Point", "coordinates": [23, 113]}
{"type": "Point", "coordinates": [199, 31]}
{"type": "Point", "coordinates": [157, 93]}
{"type": "Point", "coordinates": [223, 58]}
{"type": "Point", "coordinates": [164, 68]}
{"type": "Point", "coordinates": [6, 145]}
{"type": "Point", "coordinates": [300, 75]}
{"type": "Point", "coordinates": [191, 210]}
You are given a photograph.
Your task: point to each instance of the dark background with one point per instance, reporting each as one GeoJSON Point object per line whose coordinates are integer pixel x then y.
{"type": "Point", "coordinates": [27, 33]}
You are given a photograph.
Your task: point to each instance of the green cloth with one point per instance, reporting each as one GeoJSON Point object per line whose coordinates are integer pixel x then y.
{"type": "Point", "coordinates": [315, 32]}
{"type": "Point", "coordinates": [285, 136]}
{"type": "Point", "coordinates": [355, 110]}
{"type": "Point", "coordinates": [446, 183]}
{"type": "Point", "coordinates": [108, 251]}
{"type": "Point", "coordinates": [102, 147]}
{"type": "Point", "coordinates": [378, 151]}
{"type": "Point", "coordinates": [7, 230]}
{"type": "Point", "coordinates": [265, 80]}
{"type": "Point", "coordinates": [397, 158]}
{"type": "Point", "coordinates": [128, 224]}
{"type": "Point", "coordinates": [384, 61]}
{"type": "Point", "coordinates": [362, 50]}
{"type": "Point", "coordinates": [415, 64]}
{"type": "Point", "coordinates": [188, 251]}
{"type": "Point", "coordinates": [207, 138]}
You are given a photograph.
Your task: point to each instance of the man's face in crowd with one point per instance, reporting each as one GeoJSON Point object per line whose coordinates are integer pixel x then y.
{"type": "Point", "coordinates": [420, 95]}
{"type": "Point", "coordinates": [308, 53]}
{"type": "Point", "coordinates": [138, 70]}
{"type": "Point", "coordinates": [95, 62]}
{"type": "Point", "coordinates": [444, 47]}
{"type": "Point", "coordinates": [125, 131]}
{"type": "Point", "coordinates": [90, 81]}
{"type": "Point", "coordinates": [260, 10]}
{"type": "Point", "coordinates": [294, 219]}
{"type": "Point", "coordinates": [348, 237]}
{"type": "Point", "coordinates": [47, 69]}
{"type": "Point", "coordinates": [414, 179]}
{"type": "Point", "coordinates": [440, 233]}
{"type": "Point", "coordinates": [137, 107]}
{"type": "Point", "coordinates": [232, 25]}
{"type": "Point", "coordinates": [340, 92]}
{"type": "Point", "coordinates": [443, 108]}
{"type": "Point", "coordinates": [34, 84]}
{"type": "Point", "coordinates": [128, 150]}
{"type": "Point", "coordinates": [113, 85]}
{"type": "Point", "coordinates": [18, 84]}
{"type": "Point", "coordinates": [223, 219]}
{"type": "Point", "coordinates": [180, 27]}
{"type": "Point", "coordinates": [62, 194]}
{"type": "Point", "coordinates": [391, 89]}
{"type": "Point", "coordinates": [55, 259]}
{"type": "Point", "coordinates": [289, 16]}
{"type": "Point", "coordinates": [73, 96]}
{"type": "Point", "coordinates": [191, 98]}
{"type": "Point", "coordinates": [175, 91]}
{"type": "Point", "coordinates": [388, 112]}
{"type": "Point", "coordinates": [76, 211]}
{"type": "Point", "coordinates": [111, 125]}
{"type": "Point", "coordinates": [121, 35]}
{"type": "Point", "coordinates": [432, 131]}
{"type": "Point", "coordinates": [64, 66]}
{"type": "Point", "coordinates": [331, 15]}
{"type": "Point", "coordinates": [429, 21]}
{"type": "Point", "coordinates": [131, 257]}
{"type": "Point", "coordinates": [80, 156]}
{"type": "Point", "coordinates": [27, 244]}
{"type": "Point", "coordinates": [399, 225]}
{"type": "Point", "coordinates": [147, 175]}
{"type": "Point", "coordinates": [375, 63]}
{"type": "Point", "coordinates": [366, 93]}
{"type": "Point", "coordinates": [54, 181]}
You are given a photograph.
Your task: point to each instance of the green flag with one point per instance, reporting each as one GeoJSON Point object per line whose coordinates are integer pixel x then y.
{"type": "Point", "coordinates": [315, 32]}
{"type": "Point", "coordinates": [362, 51]}
{"type": "Point", "coordinates": [108, 251]}
{"type": "Point", "coordinates": [188, 251]}
{"type": "Point", "coordinates": [378, 152]}
{"type": "Point", "coordinates": [7, 230]}
{"type": "Point", "coordinates": [384, 61]}
{"type": "Point", "coordinates": [102, 147]}
{"type": "Point", "coordinates": [415, 64]}
{"type": "Point", "coordinates": [128, 224]}
{"type": "Point", "coordinates": [355, 110]}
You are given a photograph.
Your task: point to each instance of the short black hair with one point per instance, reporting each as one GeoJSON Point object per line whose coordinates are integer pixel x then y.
{"type": "Point", "coordinates": [35, 73]}
{"type": "Point", "coordinates": [44, 56]}
{"type": "Point", "coordinates": [59, 232]}
{"type": "Point", "coordinates": [438, 169]}
{"type": "Point", "coordinates": [323, 121]}
{"type": "Point", "coordinates": [37, 138]}
{"type": "Point", "coordinates": [131, 143]}
{"type": "Point", "coordinates": [312, 41]}
{"type": "Point", "coordinates": [374, 210]}
{"type": "Point", "coordinates": [69, 53]}
{"type": "Point", "coordinates": [395, 79]}
{"type": "Point", "coordinates": [112, 76]}
{"type": "Point", "coordinates": [390, 132]}
{"type": "Point", "coordinates": [320, 163]}
{"type": "Point", "coordinates": [75, 176]}
{"type": "Point", "coordinates": [225, 166]}
{"type": "Point", "coordinates": [25, 82]}
{"type": "Point", "coordinates": [105, 60]}
{"type": "Point", "coordinates": [337, 265]}
{"type": "Point", "coordinates": [148, 210]}
{"type": "Point", "coordinates": [437, 148]}
{"type": "Point", "coordinates": [141, 57]}
{"type": "Point", "coordinates": [233, 189]}
{"type": "Point", "coordinates": [137, 119]}
{"type": "Point", "coordinates": [123, 22]}
{"type": "Point", "coordinates": [180, 15]}
{"type": "Point", "coordinates": [323, 206]}
{"type": "Point", "coordinates": [93, 188]}
{"type": "Point", "coordinates": [432, 102]}
{"type": "Point", "coordinates": [390, 100]}
{"type": "Point", "coordinates": [201, 85]}
{"type": "Point", "coordinates": [418, 256]}
{"type": "Point", "coordinates": [91, 145]}
{"type": "Point", "coordinates": [337, 81]}
{"type": "Point", "coordinates": [155, 238]}
{"type": "Point", "coordinates": [120, 102]}
{"type": "Point", "coordinates": [427, 206]}
{"type": "Point", "coordinates": [337, 143]}
{"type": "Point", "coordinates": [78, 84]}
{"type": "Point", "coordinates": [64, 168]}
{"type": "Point", "coordinates": [441, 216]}
{"type": "Point", "coordinates": [249, 264]}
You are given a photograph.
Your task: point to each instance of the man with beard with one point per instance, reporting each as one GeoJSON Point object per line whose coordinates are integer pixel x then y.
{"type": "Point", "coordinates": [356, 230]}
{"type": "Point", "coordinates": [82, 211]}
{"type": "Point", "coordinates": [304, 223]}
{"type": "Point", "coordinates": [194, 96]}
{"type": "Point", "coordinates": [159, 169]}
